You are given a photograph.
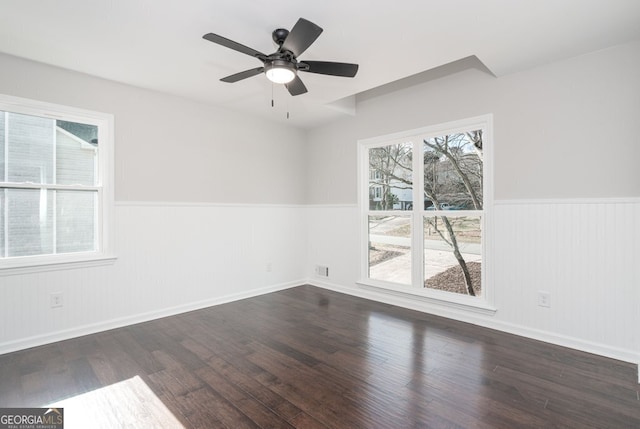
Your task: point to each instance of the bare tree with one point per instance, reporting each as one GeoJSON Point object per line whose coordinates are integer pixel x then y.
{"type": "Point", "coordinates": [463, 161]}
{"type": "Point", "coordinates": [454, 151]}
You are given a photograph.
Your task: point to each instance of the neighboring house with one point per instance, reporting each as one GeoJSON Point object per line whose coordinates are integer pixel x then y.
{"type": "Point", "coordinates": [439, 174]}
{"type": "Point", "coordinates": [76, 165]}
{"type": "Point", "coordinates": [48, 221]}
{"type": "Point", "coordinates": [394, 191]}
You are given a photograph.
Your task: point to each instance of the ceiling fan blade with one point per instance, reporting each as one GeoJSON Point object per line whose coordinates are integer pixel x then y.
{"type": "Point", "coordinates": [242, 75]}
{"type": "Point", "coordinates": [234, 45]}
{"type": "Point", "coordinates": [296, 87]}
{"type": "Point", "coordinates": [330, 68]}
{"type": "Point", "coordinates": [301, 36]}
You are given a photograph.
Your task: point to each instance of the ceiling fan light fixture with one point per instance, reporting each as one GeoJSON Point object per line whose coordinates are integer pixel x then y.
{"type": "Point", "coordinates": [279, 71]}
{"type": "Point", "coordinates": [282, 66]}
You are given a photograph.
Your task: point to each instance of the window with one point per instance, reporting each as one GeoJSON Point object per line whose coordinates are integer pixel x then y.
{"type": "Point", "coordinates": [55, 193]}
{"type": "Point", "coordinates": [375, 174]}
{"type": "Point", "coordinates": [377, 193]}
{"type": "Point", "coordinates": [424, 196]}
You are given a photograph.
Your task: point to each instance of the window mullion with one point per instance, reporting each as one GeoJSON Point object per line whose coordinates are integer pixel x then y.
{"type": "Point", "coordinates": [6, 147]}
{"type": "Point", "coordinates": [54, 175]}
{"type": "Point", "coordinates": [54, 221]}
{"type": "Point", "coordinates": [37, 186]}
{"type": "Point", "coordinates": [99, 225]}
{"type": "Point", "coordinates": [417, 252]}
{"type": "Point", "coordinates": [364, 210]}
{"type": "Point", "coordinates": [5, 224]}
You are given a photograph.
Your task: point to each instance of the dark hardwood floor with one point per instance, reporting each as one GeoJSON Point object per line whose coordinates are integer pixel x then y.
{"type": "Point", "coordinates": [311, 358]}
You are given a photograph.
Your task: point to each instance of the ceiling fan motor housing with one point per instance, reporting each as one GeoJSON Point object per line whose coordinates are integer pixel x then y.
{"type": "Point", "coordinates": [279, 35]}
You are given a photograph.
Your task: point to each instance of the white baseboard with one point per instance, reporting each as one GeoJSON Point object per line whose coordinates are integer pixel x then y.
{"type": "Point", "coordinates": [624, 355]}
{"type": "Point", "coordinates": [451, 313]}
{"type": "Point", "coordinates": [93, 328]}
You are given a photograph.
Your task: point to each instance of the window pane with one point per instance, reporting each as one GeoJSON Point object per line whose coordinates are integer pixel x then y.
{"type": "Point", "coordinates": [30, 148]}
{"type": "Point", "coordinates": [76, 221]}
{"type": "Point", "coordinates": [390, 248]}
{"type": "Point", "coordinates": [29, 223]}
{"type": "Point", "coordinates": [76, 153]}
{"type": "Point", "coordinates": [390, 177]}
{"type": "Point", "coordinates": [3, 202]}
{"type": "Point", "coordinates": [42, 150]}
{"type": "Point", "coordinates": [453, 171]}
{"type": "Point", "coordinates": [2, 146]}
{"type": "Point", "coordinates": [452, 247]}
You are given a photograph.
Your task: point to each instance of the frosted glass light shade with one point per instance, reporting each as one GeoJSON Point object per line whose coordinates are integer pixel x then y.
{"type": "Point", "coordinates": [280, 75]}
{"type": "Point", "coordinates": [280, 71]}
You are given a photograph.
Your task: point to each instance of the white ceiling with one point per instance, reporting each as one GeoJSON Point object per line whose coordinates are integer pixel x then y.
{"type": "Point", "coordinates": [157, 44]}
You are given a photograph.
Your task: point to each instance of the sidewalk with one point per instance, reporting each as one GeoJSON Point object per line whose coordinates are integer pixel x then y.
{"type": "Point", "coordinates": [398, 269]}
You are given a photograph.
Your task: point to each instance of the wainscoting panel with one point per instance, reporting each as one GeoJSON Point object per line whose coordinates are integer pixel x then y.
{"type": "Point", "coordinates": [171, 258]}
{"type": "Point", "coordinates": [178, 257]}
{"type": "Point", "coordinates": [584, 253]}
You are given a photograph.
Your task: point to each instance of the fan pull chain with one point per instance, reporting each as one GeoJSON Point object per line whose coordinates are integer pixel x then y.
{"type": "Point", "coordinates": [273, 102]}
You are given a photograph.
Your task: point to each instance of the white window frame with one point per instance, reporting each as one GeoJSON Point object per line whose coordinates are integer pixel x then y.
{"type": "Point", "coordinates": [483, 303]}
{"type": "Point", "coordinates": [104, 253]}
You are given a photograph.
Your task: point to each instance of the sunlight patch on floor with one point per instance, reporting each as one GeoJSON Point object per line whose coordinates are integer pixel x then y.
{"type": "Point", "coordinates": [127, 404]}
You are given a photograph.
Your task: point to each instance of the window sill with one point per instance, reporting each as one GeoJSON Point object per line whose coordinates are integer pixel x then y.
{"type": "Point", "coordinates": [11, 268]}
{"type": "Point", "coordinates": [440, 298]}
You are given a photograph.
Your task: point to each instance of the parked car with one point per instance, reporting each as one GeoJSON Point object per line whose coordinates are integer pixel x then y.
{"type": "Point", "coordinates": [446, 206]}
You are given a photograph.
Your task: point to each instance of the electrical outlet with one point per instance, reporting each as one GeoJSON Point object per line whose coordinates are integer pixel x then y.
{"type": "Point", "coordinates": [56, 300]}
{"type": "Point", "coordinates": [269, 267]}
{"type": "Point", "coordinates": [544, 299]}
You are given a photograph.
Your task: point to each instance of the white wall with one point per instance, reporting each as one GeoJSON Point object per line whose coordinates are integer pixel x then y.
{"type": "Point", "coordinates": [172, 257]}
{"type": "Point", "coordinates": [204, 202]}
{"type": "Point", "coordinates": [565, 130]}
{"type": "Point", "coordinates": [567, 190]}
{"type": "Point", "coordinates": [173, 149]}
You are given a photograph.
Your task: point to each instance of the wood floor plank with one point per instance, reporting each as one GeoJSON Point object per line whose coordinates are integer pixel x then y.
{"type": "Point", "coordinates": [245, 376]}
{"type": "Point", "coordinates": [205, 400]}
{"type": "Point", "coordinates": [244, 401]}
{"type": "Point", "coordinates": [307, 357]}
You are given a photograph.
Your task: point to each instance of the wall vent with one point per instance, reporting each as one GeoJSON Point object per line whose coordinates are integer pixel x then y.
{"type": "Point", "coordinates": [322, 271]}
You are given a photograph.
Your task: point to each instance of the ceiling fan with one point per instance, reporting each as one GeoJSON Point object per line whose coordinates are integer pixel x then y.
{"type": "Point", "coordinates": [283, 66]}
